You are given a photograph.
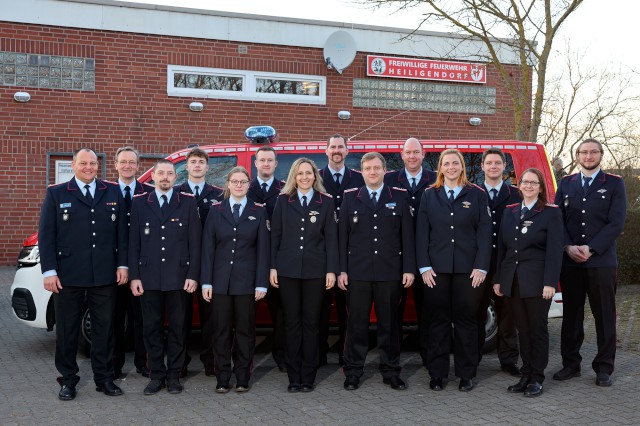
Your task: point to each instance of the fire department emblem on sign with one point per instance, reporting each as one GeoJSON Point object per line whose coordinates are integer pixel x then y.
{"type": "Point", "coordinates": [378, 66]}
{"type": "Point", "coordinates": [477, 72]}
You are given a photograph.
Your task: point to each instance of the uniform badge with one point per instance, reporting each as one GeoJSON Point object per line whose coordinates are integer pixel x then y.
{"type": "Point", "coordinates": [524, 230]}
{"type": "Point", "coordinates": [489, 211]}
{"type": "Point", "coordinates": [65, 216]}
{"type": "Point", "coordinates": [205, 201]}
{"type": "Point", "coordinates": [313, 214]}
{"type": "Point", "coordinates": [566, 201]}
{"type": "Point", "coordinates": [602, 191]}
{"type": "Point", "coordinates": [411, 210]}
{"type": "Point", "coordinates": [251, 218]}
{"type": "Point", "coordinates": [390, 205]}
{"type": "Point", "coordinates": [355, 217]}
{"type": "Point", "coordinates": [147, 231]}
{"type": "Point", "coordinates": [65, 205]}
{"type": "Point", "coordinates": [268, 222]}
{"type": "Point", "coordinates": [113, 217]}
{"type": "Point", "coordinates": [335, 216]}
{"type": "Point", "coordinates": [525, 225]}
{"type": "Point", "coordinates": [466, 204]}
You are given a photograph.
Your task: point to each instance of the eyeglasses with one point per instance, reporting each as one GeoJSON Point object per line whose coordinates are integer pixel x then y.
{"type": "Point", "coordinates": [529, 183]}
{"type": "Point", "coordinates": [238, 182]}
{"type": "Point", "coordinates": [592, 152]}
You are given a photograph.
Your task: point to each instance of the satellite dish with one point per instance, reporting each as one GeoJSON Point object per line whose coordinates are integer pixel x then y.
{"type": "Point", "coordinates": [339, 51]}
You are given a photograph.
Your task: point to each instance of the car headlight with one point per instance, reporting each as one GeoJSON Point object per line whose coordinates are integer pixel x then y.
{"type": "Point", "coordinates": [29, 256]}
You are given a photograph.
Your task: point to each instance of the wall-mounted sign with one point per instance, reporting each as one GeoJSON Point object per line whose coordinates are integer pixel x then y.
{"type": "Point", "coordinates": [426, 69]}
{"type": "Point", "coordinates": [64, 172]}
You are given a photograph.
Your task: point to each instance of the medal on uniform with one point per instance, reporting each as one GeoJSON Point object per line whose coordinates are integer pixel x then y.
{"type": "Point", "coordinates": [146, 229]}
{"type": "Point", "coordinates": [524, 230]}
{"type": "Point", "coordinates": [355, 217]}
{"type": "Point", "coordinates": [525, 225]}
{"type": "Point", "coordinates": [205, 201]}
{"type": "Point", "coordinates": [313, 214]}
{"type": "Point", "coordinates": [566, 201]}
{"type": "Point", "coordinates": [65, 216]}
{"type": "Point", "coordinates": [113, 217]}
{"type": "Point", "coordinates": [466, 204]}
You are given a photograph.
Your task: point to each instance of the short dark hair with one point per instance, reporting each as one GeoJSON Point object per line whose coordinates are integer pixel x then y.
{"type": "Point", "coordinates": [335, 136]}
{"type": "Point", "coordinates": [84, 148]}
{"type": "Point", "coordinates": [163, 161]}
{"type": "Point", "coordinates": [266, 149]}
{"type": "Point", "coordinates": [197, 152]}
{"type": "Point", "coordinates": [496, 151]}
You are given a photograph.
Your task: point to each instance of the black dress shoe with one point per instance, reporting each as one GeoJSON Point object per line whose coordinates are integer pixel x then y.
{"type": "Point", "coordinates": [511, 369]}
{"type": "Point", "coordinates": [174, 386]}
{"type": "Point", "coordinates": [603, 379]}
{"type": "Point", "coordinates": [466, 385]}
{"type": "Point", "coordinates": [307, 388]}
{"type": "Point", "coordinates": [154, 386]}
{"type": "Point", "coordinates": [143, 371]}
{"type": "Point", "coordinates": [109, 389]}
{"type": "Point", "coordinates": [67, 393]}
{"type": "Point", "coordinates": [293, 388]}
{"type": "Point", "coordinates": [436, 384]}
{"type": "Point", "coordinates": [222, 387]}
{"type": "Point", "coordinates": [242, 387]}
{"type": "Point", "coordinates": [520, 386]}
{"type": "Point", "coordinates": [351, 383]}
{"type": "Point", "coordinates": [533, 389]}
{"type": "Point", "coordinates": [566, 373]}
{"type": "Point", "coordinates": [395, 382]}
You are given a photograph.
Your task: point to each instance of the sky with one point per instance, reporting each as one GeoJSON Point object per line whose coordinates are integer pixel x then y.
{"type": "Point", "coordinates": [602, 29]}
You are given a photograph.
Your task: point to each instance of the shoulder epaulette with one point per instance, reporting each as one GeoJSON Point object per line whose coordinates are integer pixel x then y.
{"type": "Point", "coordinates": [399, 189]}
{"type": "Point", "coordinates": [357, 171]}
{"type": "Point", "coordinates": [614, 175]}
{"type": "Point", "coordinates": [512, 205]}
{"type": "Point", "coordinates": [481, 189]}
{"type": "Point", "coordinates": [571, 175]}
{"type": "Point", "coordinates": [325, 194]}
{"type": "Point", "coordinates": [552, 205]}
{"type": "Point", "coordinates": [259, 204]}
{"type": "Point", "coordinates": [147, 184]}
{"type": "Point", "coordinates": [350, 190]}
{"type": "Point", "coordinates": [140, 195]}
{"type": "Point", "coordinates": [56, 184]}
{"type": "Point", "coordinates": [188, 194]}
{"type": "Point", "coordinates": [215, 202]}
{"type": "Point", "coordinates": [111, 182]}
{"type": "Point", "coordinates": [217, 187]}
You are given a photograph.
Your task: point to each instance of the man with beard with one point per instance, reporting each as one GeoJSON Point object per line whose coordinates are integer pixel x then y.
{"type": "Point", "coordinates": [205, 194]}
{"type": "Point", "coordinates": [415, 179]}
{"type": "Point", "coordinates": [164, 260]}
{"type": "Point", "coordinates": [336, 178]}
{"type": "Point", "coordinates": [593, 205]}
{"type": "Point", "coordinates": [265, 189]}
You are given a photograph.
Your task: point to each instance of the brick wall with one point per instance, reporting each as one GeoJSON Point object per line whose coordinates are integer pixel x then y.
{"type": "Point", "coordinates": [130, 107]}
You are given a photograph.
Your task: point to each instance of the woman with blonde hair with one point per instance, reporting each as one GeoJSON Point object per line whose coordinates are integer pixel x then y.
{"type": "Point", "coordinates": [453, 248]}
{"type": "Point", "coordinates": [304, 264]}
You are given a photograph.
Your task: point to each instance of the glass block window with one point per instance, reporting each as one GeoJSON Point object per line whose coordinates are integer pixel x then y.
{"type": "Point", "coordinates": [47, 71]}
{"type": "Point", "coordinates": [390, 94]}
{"type": "Point", "coordinates": [242, 84]}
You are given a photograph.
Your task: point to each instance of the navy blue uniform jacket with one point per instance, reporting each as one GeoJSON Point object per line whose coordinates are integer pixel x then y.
{"type": "Point", "coordinates": [507, 195]}
{"type": "Point", "coordinates": [164, 252]}
{"type": "Point", "coordinates": [269, 199]}
{"type": "Point", "coordinates": [376, 243]}
{"type": "Point", "coordinates": [596, 219]}
{"type": "Point", "coordinates": [534, 256]}
{"type": "Point", "coordinates": [400, 179]}
{"type": "Point", "coordinates": [235, 258]}
{"type": "Point", "coordinates": [304, 244]}
{"type": "Point", "coordinates": [84, 243]}
{"type": "Point", "coordinates": [209, 195]}
{"type": "Point", "coordinates": [351, 179]}
{"type": "Point", "coordinates": [454, 238]}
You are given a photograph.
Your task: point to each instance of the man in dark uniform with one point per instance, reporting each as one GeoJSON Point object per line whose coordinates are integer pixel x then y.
{"type": "Point", "coordinates": [501, 194]}
{"type": "Point", "coordinates": [127, 162]}
{"type": "Point", "coordinates": [593, 205]}
{"type": "Point", "coordinates": [205, 194]}
{"type": "Point", "coordinates": [415, 179]}
{"type": "Point", "coordinates": [264, 189]}
{"type": "Point", "coordinates": [377, 257]}
{"type": "Point", "coordinates": [83, 254]}
{"type": "Point", "coordinates": [337, 178]}
{"type": "Point", "coordinates": [164, 259]}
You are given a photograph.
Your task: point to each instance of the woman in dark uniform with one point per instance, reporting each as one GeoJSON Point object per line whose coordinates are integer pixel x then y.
{"type": "Point", "coordinates": [235, 274]}
{"type": "Point", "coordinates": [304, 264]}
{"type": "Point", "coordinates": [453, 246]}
{"type": "Point", "coordinates": [528, 269]}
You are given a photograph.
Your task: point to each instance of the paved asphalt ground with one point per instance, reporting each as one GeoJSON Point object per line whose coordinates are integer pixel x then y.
{"type": "Point", "coordinates": [28, 393]}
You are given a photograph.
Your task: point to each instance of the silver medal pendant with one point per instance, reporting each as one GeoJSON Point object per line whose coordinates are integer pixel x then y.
{"type": "Point", "coordinates": [355, 219]}
{"type": "Point", "coordinates": [146, 231]}
{"type": "Point", "coordinates": [312, 219]}
{"type": "Point", "coordinates": [65, 217]}
{"type": "Point", "coordinates": [113, 217]}
{"type": "Point", "coordinates": [524, 230]}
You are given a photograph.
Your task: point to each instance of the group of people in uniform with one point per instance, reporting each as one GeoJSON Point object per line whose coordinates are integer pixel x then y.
{"type": "Point", "coordinates": [361, 238]}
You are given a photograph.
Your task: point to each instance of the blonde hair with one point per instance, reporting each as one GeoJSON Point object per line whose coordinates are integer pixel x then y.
{"type": "Point", "coordinates": [238, 169]}
{"type": "Point", "coordinates": [291, 186]}
{"type": "Point", "coordinates": [462, 180]}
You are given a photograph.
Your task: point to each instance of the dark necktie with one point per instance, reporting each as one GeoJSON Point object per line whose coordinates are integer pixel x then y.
{"type": "Point", "coordinates": [236, 212]}
{"type": "Point", "coordinates": [374, 200]}
{"type": "Point", "coordinates": [264, 187]}
{"type": "Point", "coordinates": [523, 212]}
{"type": "Point", "coordinates": [413, 184]}
{"type": "Point", "coordinates": [585, 185]}
{"type": "Point", "coordinates": [127, 198]}
{"type": "Point", "coordinates": [197, 192]}
{"type": "Point", "coordinates": [494, 194]}
{"type": "Point", "coordinates": [337, 176]}
{"type": "Point", "coordinates": [87, 194]}
{"type": "Point", "coordinates": [451, 197]}
{"type": "Point", "coordinates": [165, 205]}
{"type": "Point", "coordinates": [304, 202]}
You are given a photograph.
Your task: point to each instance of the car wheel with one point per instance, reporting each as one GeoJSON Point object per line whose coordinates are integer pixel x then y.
{"type": "Point", "coordinates": [85, 332]}
{"type": "Point", "coordinates": [491, 329]}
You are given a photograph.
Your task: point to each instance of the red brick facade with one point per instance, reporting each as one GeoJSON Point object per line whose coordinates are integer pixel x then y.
{"type": "Point", "coordinates": [130, 106]}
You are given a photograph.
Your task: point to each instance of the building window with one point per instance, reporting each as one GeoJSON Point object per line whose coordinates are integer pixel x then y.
{"type": "Point", "coordinates": [247, 85]}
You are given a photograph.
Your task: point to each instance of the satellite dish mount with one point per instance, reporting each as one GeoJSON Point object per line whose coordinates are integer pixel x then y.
{"type": "Point", "coordinates": [339, 51]}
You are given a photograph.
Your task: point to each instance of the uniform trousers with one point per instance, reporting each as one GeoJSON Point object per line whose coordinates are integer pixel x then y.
{"type": "Point", "coordinates": [277, 320]}
{"type": "Point", "coordinates": [128, 315]}
{"type": "Point", "coordinates": [530, 314]}
{"type": "Point", "coordinates": [386, 296]}
{"type": "Point", "coordinates": [340, 297]}
{"type": "Point", "coordinates": [206, 324]}
{"type": "Point", "coordinates": [452, 301]}
{"type": "Point", "coordinates": [68, 304]}
{"type": "Point", "coordinates": [301, 305]}
{"type": "Point", "coordinates": [600, 285]}
{"type": "Point", "coordinates": [423, 331]}
{"type": "Point", "coordinates": [154, 303]}
{"type": "Point", "coordinates": [234, 319]}
{"type": "Point", "coordinates": [507, 337]}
